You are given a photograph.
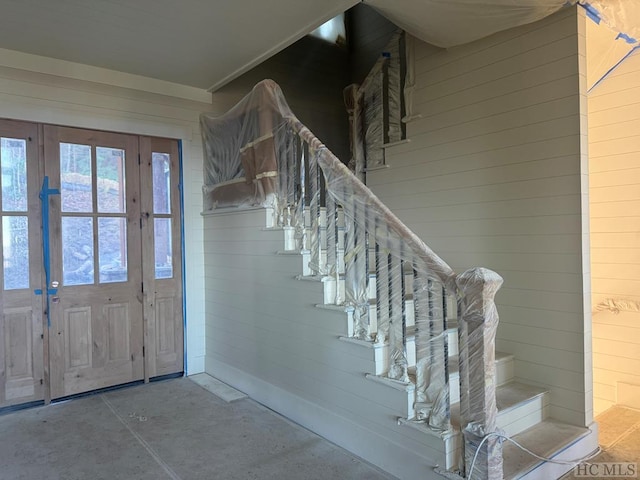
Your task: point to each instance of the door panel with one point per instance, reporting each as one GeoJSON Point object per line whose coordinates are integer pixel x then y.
{"type": "Point", "coordinates": [161, 256]}
{"type": "Point", "coordinates": [21, 327]}
{"type": "Point", "coordinates": [96, 337]}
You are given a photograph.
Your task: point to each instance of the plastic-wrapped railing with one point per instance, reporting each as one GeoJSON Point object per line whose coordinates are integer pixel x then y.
{"type": "Point", "coordinates": [397, 289]}
{"type": "Point", "coordinates": [400, 294]}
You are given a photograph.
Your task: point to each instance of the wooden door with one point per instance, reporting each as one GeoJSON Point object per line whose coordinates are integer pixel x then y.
{"type": "Point", "coordinates": [161, 256]}
{"type": "Point", "coordinates": [21, 325]}
{"type": "Point", "coordinates": [96, 334]}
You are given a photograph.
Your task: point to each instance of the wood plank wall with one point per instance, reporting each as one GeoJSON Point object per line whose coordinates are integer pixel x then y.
{"type": "Point", "coordinates": [614, 176]}
{"type": "Point", "coordinates": [46, 90]}
{"type": "Point", "coordinates": [266, 338]}
{"type": "Point", "coordinates": [493, 176]}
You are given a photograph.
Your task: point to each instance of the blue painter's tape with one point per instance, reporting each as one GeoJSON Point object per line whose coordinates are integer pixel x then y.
{"type": "Point", "coordinates": [592, 13]}
{"type": "Point", "coordinates": [184, 259]}
{"type": "Point", "coordinates": [614, 67]}
{"type": "Point", "coordinates": [45, 193]}
{"type": "Point", "coordinates": [630, 40]}
{"type": "Point", "coordinates": [38, 291]}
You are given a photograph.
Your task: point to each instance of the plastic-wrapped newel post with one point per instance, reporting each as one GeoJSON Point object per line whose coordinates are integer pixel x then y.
{"type": "Point", "coordinates": [478, 324]}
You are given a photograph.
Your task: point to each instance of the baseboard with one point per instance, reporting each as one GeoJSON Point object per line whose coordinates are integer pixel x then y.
{"type": "Point", "coordinates": [354, 437]}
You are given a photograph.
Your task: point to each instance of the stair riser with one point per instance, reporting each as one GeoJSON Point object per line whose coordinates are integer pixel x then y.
{"type": "Point", "coordinates": [523, 416]}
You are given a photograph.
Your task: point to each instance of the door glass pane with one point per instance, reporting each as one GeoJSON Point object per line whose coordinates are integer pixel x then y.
{"type": "Point", "coordinates": [15, 252]}
{"type": "Point", "coordinates": [110, 174]}
{"type": "Point", "coordinates": [163, 250]}
{"type": "Point", "coordinates": [13, 159]}
{"type": "Point", "coordinates": [112, 249]}
{"type": "Point", "coordinates": [161, 182]}
{"type": "Point", "coordinates": [77, 250]}
{"type": "Point", "coordinates": [76, 178]}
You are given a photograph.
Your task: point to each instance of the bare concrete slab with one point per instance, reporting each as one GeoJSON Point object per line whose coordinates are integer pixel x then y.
{"type": "Point", "coordinates": [173, 429]}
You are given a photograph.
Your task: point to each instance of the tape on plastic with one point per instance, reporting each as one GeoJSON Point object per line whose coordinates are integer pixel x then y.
{"type": "Point", "coordinates": [592, 13]}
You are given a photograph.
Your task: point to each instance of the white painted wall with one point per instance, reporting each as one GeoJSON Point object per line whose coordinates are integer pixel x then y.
{"type": "Point", "coordinates": [46, 90]}
{"type": "Point", "coordinates": [495, 175]}
{"type": "Point", "coordinates": [614, 176]}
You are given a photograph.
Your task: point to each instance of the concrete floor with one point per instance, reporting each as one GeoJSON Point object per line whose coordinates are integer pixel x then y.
{"type": "Point", "coordinates": [619, 436]}
{"type": "Point", "coordinates": [172, 429]}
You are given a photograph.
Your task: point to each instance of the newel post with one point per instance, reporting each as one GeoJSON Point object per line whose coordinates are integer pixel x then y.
{"type": "Point", "coordinates": [478, 321]}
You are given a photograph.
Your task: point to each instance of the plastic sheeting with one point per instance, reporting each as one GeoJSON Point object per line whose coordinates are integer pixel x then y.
{"type": "Point", "coordinates": [478, 407]}
{"type": "Point", "coordinates": [613, 33]}
{"type": "Point", "coordinates": [240, 148]}
{"type": "Point", "coordinates": [407, 272]}
{"type": "Point", "coordinates": [454, 22]}
{"type": "Point", "coordinates": [375, 108]}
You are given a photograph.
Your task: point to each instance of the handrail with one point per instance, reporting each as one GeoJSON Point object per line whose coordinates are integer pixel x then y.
{"type": "Point", "coordinates": [330, 163]}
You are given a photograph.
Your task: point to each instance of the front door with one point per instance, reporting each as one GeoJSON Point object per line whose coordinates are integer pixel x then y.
{"type": "Point", "coordinates": [96, 301]}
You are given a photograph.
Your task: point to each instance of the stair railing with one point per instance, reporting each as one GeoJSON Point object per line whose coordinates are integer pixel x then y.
{"type": "Point", "coordinates": [351, 237]}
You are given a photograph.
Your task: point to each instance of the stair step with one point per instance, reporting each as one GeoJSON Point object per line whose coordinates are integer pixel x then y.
{"type": "Point", "coordinates": [550, 439]}
{"type": "Point", "coordinates": [520, 407]}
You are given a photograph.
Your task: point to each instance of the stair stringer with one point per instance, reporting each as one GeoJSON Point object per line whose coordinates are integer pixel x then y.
{"type": "Point", "coordinates": [265, 337]}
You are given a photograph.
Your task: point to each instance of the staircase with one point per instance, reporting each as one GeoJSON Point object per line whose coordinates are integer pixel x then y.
{"type": "Point", "coordinates": [401, 347]}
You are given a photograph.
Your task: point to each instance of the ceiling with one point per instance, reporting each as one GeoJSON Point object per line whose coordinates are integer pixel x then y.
{"type": "Point", "coordinates": [201, 43]}
{"type": "Point", "coordinates": [207, 43]}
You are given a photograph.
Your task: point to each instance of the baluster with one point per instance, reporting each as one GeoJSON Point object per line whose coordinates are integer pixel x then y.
{"type": "Point", "coordinates": [314, 214]}
{"type": "Point", "coordinates": [331, 236]}
{"type": "Point", "coordinates": [382, 314]}
{"type": "Point", "coordinates": [367, 270]}
{"type": "Point", "coordinates": [363, 330]}
{"type": "Point", "coordinates": [291, 176]}
{"type": "Point", "coordinates": [422, 342]}
{"type": "Point", "coordinates": [438, 389]}
{"type": "Point", "coordinates": [397, 324]}
{"type": "Point", "coordinates": [304, 179]}
{"type": "Point", "coordinates": [350, 274]}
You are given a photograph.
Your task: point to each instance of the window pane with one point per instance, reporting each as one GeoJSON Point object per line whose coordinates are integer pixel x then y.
{"type": "Point", "coordinates": [15, 252]}
{"type": "Point", "coordinates": [161, 182]}
{"type": "Point", "coordinates": [13, 158]}
{"type": "Point", "coordinates": [110, 173]}
{"type": "Point", "coordinates": [112, 249]}
{"type": "Point", "coordinates": [77, 250]}
{"type": "Point", "coordinates": [75, 178]}
{"type": "Point", "coordinates": [162, 234]}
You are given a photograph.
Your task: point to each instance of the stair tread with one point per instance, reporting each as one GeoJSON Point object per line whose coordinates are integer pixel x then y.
{"type": "Point", "coordinates": [512, 394]}
{"type": "Point", "coordinates": [546, 439]}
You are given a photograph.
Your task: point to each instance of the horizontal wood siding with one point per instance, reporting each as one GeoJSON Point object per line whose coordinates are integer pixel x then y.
{"type": "Point", "coordinates": [493, 176]}
{"type": "Point", "coordinates": [614, 176]}
{"type": "Point", "coordinates": [45, 90]}
{"type": "Point", "coordinates": [263, 321]}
